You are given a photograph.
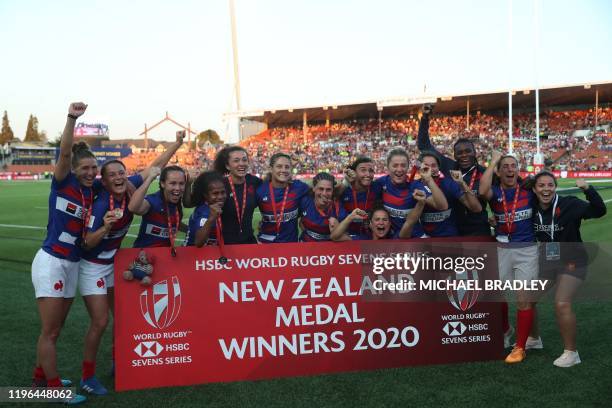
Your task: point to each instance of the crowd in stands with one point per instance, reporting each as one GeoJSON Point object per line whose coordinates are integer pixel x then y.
{"type": "Point", "coordinates": [332, 148]}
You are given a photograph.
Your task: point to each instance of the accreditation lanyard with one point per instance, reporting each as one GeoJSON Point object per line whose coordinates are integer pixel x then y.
{"type": "Point", "coordinates": [510, 217]}
{"type": "Point", "coordinates": [328, 213]}
{"type": "Point", "coordinates": [278, 218]}
{"type": "Point", "coordinates": [85, 212]}
{"type": "Point", "coordinates": [552, 219]}
{"type": "Point", "coordinates": [239, 210]}
{"type": "Point", "coordinates": [473, 178]}
{"type": "Point", "coordinates": [219, 233]}
{"type": "Point", "coordinates": [172, 220]}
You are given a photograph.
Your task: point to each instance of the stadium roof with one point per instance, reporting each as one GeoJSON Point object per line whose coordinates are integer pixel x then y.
{"type": "Point", "coordinates": [582, 94]}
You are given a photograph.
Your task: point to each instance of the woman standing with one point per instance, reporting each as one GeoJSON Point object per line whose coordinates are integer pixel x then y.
{"type": "Point", "coordinates": [56, 265]}
{"type": "Point", "coordinates": [557, 219]}
{"type": "Point", "coordinates": [278, 201]}
{"type": "Point", "coordinates": [359, 194]}
{"type": "Point", "coordinates": [320, 212]}
{"type": "Point", "coordinates": [237, 215]}
{"type": "Point", "coordinates": [111, 221]}
{"type": "Point", "coordinates": [161, 211]}
{"type": "Point", "coordinates": [205, 223]}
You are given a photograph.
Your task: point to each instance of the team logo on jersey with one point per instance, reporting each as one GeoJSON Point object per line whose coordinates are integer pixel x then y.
{"type": "Point", "coordinates": [462, 299]}
{"type": "Point", "coordinates": [59, 285]}
{"type": "Point", "coordinates": [265, 199]}
{"type": "Point", "coordinates": [160, 304]}
{"type": "Point", "coordinates": [71, 208]}
{"type": "Point", "coordinates": [100, 283]}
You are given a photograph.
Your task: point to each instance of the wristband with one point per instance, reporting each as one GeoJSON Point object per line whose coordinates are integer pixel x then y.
{"type": "Point", "coordinates": [71, 116]}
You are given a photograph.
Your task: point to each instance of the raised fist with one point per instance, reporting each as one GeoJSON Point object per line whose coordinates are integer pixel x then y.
{"type": "Point", "coordinates": [215, 210]}
{"type": "Point", "coordinates": [581, 184]}
{"type": "Point", "coordinates": [350, 175]}
{"type": "Point", "coordinates": [154, 172]}
{"type": "Point", "coordinates": [456, 175]}
{"type": "Point", "coordinates": [359, 213]}
{"type": "Point", "coordinates": [77, 108]}
{"type": "Point", "coordinates": [419, 195]}
{"type": "Point", "coordinates": [496, 156]}
{"type": "Point", "coordinates": [427, 108]}
{"type": "Point", "coordinates": [425, 173]}
{"type": "Point", "coordinates": [180, 136]}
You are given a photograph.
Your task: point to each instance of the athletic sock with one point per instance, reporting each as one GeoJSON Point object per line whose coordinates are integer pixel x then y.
{"type": "Point", "coordinates": [54, 382]}
{"type": "Point", "coordinates": [39, 374]}
{"type": "Point", "coordinates": [524, 320]}
{"type": "Point", "coordinates": [89, 369]}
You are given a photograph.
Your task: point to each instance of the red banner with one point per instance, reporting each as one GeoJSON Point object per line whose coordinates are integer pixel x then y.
{"type": "Point", "coordinates": [279, 310]}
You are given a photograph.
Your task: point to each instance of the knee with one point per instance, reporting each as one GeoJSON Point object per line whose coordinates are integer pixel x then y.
{"type": "Point", "coordinates": [50, 333]}
{"type": "Point", "coordinates": [563, 308]}
{"type": "Point", "coordinates": [99, 323]}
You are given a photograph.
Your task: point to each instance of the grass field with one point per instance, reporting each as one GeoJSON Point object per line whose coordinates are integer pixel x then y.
{"type": "Point", "coordinates": [535, 383]}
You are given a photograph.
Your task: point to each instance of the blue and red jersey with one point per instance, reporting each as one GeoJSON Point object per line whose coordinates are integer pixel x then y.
{"type": "Point", "coordinates": [363, 200]}
{"type": "Point", "coordinates": [286, 229]}
{"type": "Point", "coordinates": [398, 201]}
{"type": "Point", "coordinates": [69, 203]}
{"type": "Point", "coordinates": [443, 223]}
{"type": "Point", "coordinates": [154, 226]}
{"type": "Point", "coordinates": [197, 219]}
{"type": "Point", "coordinates": [104, 253]}
{"type": "Point", "coordinates": [521, 229]}
{"type": "Point", "coordinates": [316, 223]}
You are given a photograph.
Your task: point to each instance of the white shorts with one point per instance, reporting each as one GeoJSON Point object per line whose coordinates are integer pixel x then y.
{"type": "Point", "coordinates": [54, 277]}
{"type": "Point", "coordinates": [94, 278]}
{"type": "Point", "coordinates": [518, 262]}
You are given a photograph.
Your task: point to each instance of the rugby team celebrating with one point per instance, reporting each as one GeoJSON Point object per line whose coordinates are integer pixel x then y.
{"type": "Point", "coordinates": [439, 197]}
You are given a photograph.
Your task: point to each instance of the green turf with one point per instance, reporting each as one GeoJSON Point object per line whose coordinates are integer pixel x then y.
{"type": "Point", "coordinates": [535, 383]}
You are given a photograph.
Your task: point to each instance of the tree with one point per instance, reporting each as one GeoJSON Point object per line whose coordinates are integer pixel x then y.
{"type": "Point", "coordinates": [32, 134]}
{"type": "Point", "coordinates": [6, 134]}
{"type": "Point", "coordinates": [209, 136]}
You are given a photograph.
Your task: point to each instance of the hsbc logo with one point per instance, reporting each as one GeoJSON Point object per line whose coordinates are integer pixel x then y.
{"type": "Point", "coordinates": [160, 304]}
{"type": "Point", "coordinates": [454, 328]}
{"type": "Point", "coordinates": [148, 349]}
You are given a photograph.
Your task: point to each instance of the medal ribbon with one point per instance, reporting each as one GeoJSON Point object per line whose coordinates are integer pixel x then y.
{"type": "Point", "coordinates": [85, 212]}
{"type": "Point", "coordinates": [239, 211]}
{"type": "Point", "coordinates": [510, 218]}
{"type": "Point", "coordinates": [278, 218]}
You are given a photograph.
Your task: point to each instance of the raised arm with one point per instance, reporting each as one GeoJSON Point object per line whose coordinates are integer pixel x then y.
{"type": "Point", "coordinates": [62, 167]}
{"type": "Point", "coordinates": [486, 180]}
{"type": "Point", "coordinates": [468, 199]}
{"type": "Point", "coordinates": [437, 199]}
{"type": "Point", "coordinates": [424, 141]}
{"type": "Point", "coordinates": [202, 234]}
{"type": "Point", "coordinates": [138, 205]}
{"type": "Point", "coordinates": [413, 216]}
{"type": "Point", "coordinates": [596, 208]}
{"type": "Point", "coordinates": [93, 238]}
{"type": "Point", "coordinates": [165, 157]}
{"type": "Point", "coordinates": [338, 229]}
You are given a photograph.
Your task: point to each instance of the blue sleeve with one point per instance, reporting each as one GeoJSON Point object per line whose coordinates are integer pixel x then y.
{"type": "Point", "coordinates": [454, 189]}
{"type": "Point", "coordinates": [100, 207]}
{"type": "Point", "coordinates": [97, 185]}
{"type": "Point", "coordinates": [305, 202]}
{"type": "Point", "coordinates": [301, 188]}
{"type": "Point", "coordinates": [136, 180]}
{"type": "Point", "coordinates": [56, 185]}
{"type": "Point", "coordinates": [377, 187]}
{"type": "Point", "coordinates": [342, 214]}
{"type": "Point", "coordinates": [496, 190]}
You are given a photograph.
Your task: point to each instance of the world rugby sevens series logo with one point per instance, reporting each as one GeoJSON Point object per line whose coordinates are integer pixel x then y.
{"type": "Point", "coordinates": [164, 299]}
{"type": "Point", "coordinates": [462, 299]}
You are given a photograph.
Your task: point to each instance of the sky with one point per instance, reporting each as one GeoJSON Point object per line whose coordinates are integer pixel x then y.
{"type": "Point", "coordinates": [133, 61]}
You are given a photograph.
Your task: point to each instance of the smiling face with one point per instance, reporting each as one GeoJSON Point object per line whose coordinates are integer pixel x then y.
{"type": "Point", "coordinates": [432, 163]}
{"type": "Point", "coordinates": [238, 164]}
{"type": "Point", "coordinates": [508, 172]}
{"type": "Point", "coordinates": [216, 193]}
{"type": "Point", "coordinates": [281, 170]}
{"type": "Point", "coordinates": [364, 174]}
{"type": "Point", "coordinates": [465, 155]}
{"type": "Point", "coordinates": [323, 192]}
{"type": "Point", "coordinates": [398, 168]}
{"type": "Point", "coordinates": [380, 224]}
{"type": "Point", "coordinates": [174, 186]}
{"type": "Point", "coordinates": [114, 179]}
{"type": "Point", "coordinates": [545, 190]}
{"type": "Point", "coordinates": [86, 171]}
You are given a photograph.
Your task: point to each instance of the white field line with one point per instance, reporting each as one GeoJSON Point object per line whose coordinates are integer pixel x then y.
{"type": "Point", "coordinates": [41, 228]}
